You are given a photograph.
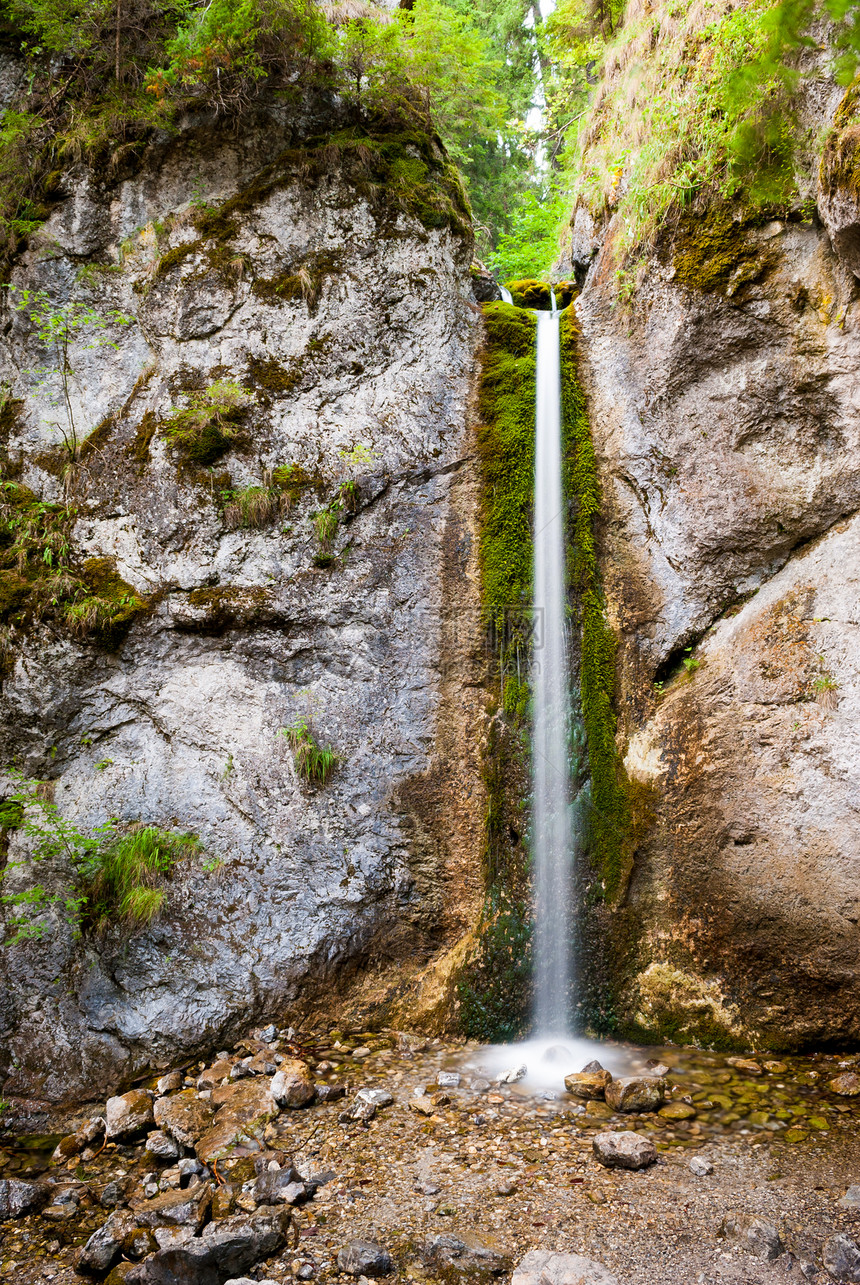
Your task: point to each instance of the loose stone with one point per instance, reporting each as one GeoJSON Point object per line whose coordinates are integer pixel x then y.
{"type": "Point", "coordinates": [169, 1083]}
{"type": "Point", "coordinates": [635, 1093]}
{"type": "Point", "coordinates": [588, 1085]}
{"type": "Point", "coordinates": [377, 1097]}
{"type": "Point", "coordinates": [759, 1236]}
{"type": "Point", "coordinates": [847, 1085]}
{"type": "Point", "coordinates": [18, 1198]}
{"type": "Point", "coordinates": [466, 1254]}
{"type": "Point", "coordinates": [293, 1085]}
{"type": "Point", "coordinates": [163, 1146]}
{"type": "Point", "coordinates": [512, 1076]}
{"type": "Point", "coordinates": [700, 1166]}
{"type": "Point", "coordinates": [364, 1258]}
{"type": "Point", "coordinates": [624, 1150]}
{"type": "Point", "coordinates": [677, 1111]}
{"type": "Point", "coordinates": [841, 1257]}
{"type": "Point", "coordinates": [129, 1114]}
{"type": "Point", "coordinates": [744, 1064]}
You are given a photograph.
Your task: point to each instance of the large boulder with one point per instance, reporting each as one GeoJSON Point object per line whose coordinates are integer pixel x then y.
{"type": "Point", "coordinates": [243, 1109]}
{"type": "Point", "coordinates": [228, 1247]}
{"type": "Point", "coordinates": [187, 1208]}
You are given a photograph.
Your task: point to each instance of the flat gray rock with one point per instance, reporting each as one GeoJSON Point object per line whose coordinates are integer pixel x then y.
{"type": "Point", "coordinates": [841, 1257]}
{"type": "Point", "coordinates": [543, 1267]}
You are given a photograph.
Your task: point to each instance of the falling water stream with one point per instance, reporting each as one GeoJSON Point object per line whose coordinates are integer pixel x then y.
{"type": "Point", "coordinates": [551, 811]}
{"type": "Point", "coordinates": [552, 1050]}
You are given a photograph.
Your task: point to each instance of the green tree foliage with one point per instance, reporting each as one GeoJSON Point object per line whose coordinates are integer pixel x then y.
{"type": "Point", "coordinates": [532, 245]}
{"type": "Point", "coordinates": [500, 166]}
{"type": "Point", "coordinates": [130, 66]}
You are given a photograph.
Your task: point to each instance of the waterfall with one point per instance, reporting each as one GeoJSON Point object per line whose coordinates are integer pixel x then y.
{"type": "Point", "coordinates": [507, 297]}
{"type": "Point", "coordinates": [552, 825]}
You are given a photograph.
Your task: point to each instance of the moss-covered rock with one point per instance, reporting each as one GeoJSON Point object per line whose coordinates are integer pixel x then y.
{"type": "Point", "coordinates": [531, 294]}
{"type": "Point", "coordinates": [712, 252]}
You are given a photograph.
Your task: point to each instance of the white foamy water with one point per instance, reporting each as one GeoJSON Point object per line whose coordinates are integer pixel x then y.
{"type": "Point", "coordinates": [553, 837]}
{"type": "Point", "coordinates": [507, 297]}
{"type": "Point", "coordinates": [548, 1061]}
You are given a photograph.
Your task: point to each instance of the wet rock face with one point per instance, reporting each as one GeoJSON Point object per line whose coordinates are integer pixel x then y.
{"type": "Point", "coordinates": [724, 410]}
{"type": "Point", "coordinates": [352, 345]}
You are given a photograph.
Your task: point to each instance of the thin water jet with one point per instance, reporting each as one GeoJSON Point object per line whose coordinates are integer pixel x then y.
{"type": "Point", "coordinates": [552, 822]}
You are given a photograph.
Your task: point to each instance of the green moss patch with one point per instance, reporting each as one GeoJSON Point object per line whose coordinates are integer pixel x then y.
{"type": "Point", "coordinates": [506, 449]}
{"type": "Point", "coordinates": [531, 294]}
{"type": "Point", "coordinates": [302, 281]}
{"type": "Point", "coordinates": [272, 376]}
{"type": "Point", "coordinates": [41, 578]}
{"type": "Point", "coordinates": [840, 160]}
{"type": "Point", "coordinates": [209, 424]}
{"type": "Point", "coordinates": [610, 815]}
{"type": "Point", "coordinates": [494, 985]}
{"type": "Point", "coordinates": [711, 252]}
{"type": "Point", "coordinates": [110, 607]}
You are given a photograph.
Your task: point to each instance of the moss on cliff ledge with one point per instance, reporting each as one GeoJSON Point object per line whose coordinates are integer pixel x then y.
{"type": "Point", "coordinates": [531, 294]}
{"type": "Point", "coordinates": [840, 160]}
{"type": "Point", "coordinates": [713, 252]}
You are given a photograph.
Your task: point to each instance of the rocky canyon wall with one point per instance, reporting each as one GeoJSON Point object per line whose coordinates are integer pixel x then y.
{"type": "Point", "coordinates": [313, 285]}
{"type": "Point", "coordinates": [725, 408]}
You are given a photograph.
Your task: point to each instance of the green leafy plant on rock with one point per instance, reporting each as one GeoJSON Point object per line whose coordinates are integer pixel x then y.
{"type": "Point", "coordinates": [105, 876]}
{"type": "Point", "coordinates": [210, 424]}
{"type": "Point", "coordinates": [254, 506]}
{"type": "Point", "coordinates": [57, 327]}
{"type": "Point", "coordinates": [123, 884]}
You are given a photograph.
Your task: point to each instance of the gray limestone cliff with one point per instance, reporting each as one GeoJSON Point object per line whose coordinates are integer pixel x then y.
{"type": "Point", "coordinates": [725, 409]}
{"type": "Point", "coordinates": [331, 329]}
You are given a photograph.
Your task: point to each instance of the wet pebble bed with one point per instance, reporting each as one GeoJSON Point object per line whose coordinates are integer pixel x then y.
{"type": "Point", "coordinates": [513, 1164]}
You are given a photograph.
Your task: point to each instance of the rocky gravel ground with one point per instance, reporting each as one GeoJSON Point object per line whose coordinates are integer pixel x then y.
{"type": "Point", "coordinates": [350, 1155]}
